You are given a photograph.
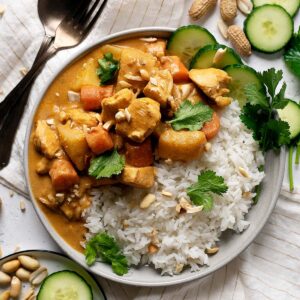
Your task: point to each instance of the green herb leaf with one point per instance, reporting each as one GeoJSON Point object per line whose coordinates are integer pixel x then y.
{"type": "Point", "coordinates": [108, 68]}
{"type": "Point", "coordinates": [106, 248]}
{"type": "Point", "coordinates": [208, 182]}
{"type": "Point", "coordinates": [271, 79]}
{"type": "Point", "coordinates": [255, 96]}
{"type": "Point", "coordinates": [191, 116]}
{"type": "Point", "coordinates": [106, 165]}
{"type": "Point", "coordinates": [259, 113]}
{"type": "Point", "coordinates": [292, 54]}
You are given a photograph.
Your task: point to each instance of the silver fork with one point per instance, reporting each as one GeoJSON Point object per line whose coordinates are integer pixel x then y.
{"type": "Point", "coordinates": [71, 31]}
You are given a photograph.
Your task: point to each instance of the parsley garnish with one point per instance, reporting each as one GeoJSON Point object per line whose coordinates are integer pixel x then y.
{"type": "Point", "coordinates": [292, 54]}
{"type": "Point", "coordinates": [108, 68]}
{"type": "Point", "coordinates": [106, 165]}
{"type": "Point", "coordinates": [104, 246]}
{"type": "Point", "coordinates": [259, 114]}
{"type": "Point", "coordinates": [191, 116]}
{"type": "Point", "coordinates": [208, 183]}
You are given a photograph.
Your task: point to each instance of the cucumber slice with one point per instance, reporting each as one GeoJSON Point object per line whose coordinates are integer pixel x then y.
{"type": "Point", "coordinates": [291, 6]}
{"type": "Point", "coordinates": [269, 28]}
{"type": "Point", "coordinates": [291, 114]}
{"type": "Point", "coordinates": [187, 40]}
{"type": "Point", "coordinates": [205, 56]}
{"type": "Point", "coordinates": [241, 76]}
{"type": "Point", "coordinates": [66, 285]}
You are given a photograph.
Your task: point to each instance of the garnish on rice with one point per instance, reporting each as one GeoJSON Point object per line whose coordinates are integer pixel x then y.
{"type": "Point", "coordinates": [208, 183]}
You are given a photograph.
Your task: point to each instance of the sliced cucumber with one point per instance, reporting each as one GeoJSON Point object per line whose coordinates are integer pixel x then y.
{"type": "Point", "coordinates": [291, 114]}
{"type": "Point", "coordinates": [269, 28]}
{"type": "Point", "coordinates": [187, 40]}
{"type": "Point", "coordinates": [204, 58]}
{"type": "Point", "coordinates": [291, 6]}
{"type": "Point", "coordinates": [241, 76]}
{"type": "Point", "coordinates": [66, 285]}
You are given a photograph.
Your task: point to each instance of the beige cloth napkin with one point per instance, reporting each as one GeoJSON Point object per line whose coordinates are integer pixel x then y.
{"type": "Point", "coordinates": [270, 267]}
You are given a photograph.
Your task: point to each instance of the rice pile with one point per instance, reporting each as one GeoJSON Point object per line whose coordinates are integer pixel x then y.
{"type": "Point", "coordinates": [182, 238]}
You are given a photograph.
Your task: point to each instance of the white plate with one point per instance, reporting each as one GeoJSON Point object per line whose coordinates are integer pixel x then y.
{"type": "Point", "coordinates": [231, 244]}
{"type": "Point", "coordinates": [55, 262]}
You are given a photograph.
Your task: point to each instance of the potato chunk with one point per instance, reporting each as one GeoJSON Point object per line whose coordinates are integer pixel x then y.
{"type": "Point", "coordinates": [74, 143]}
{"type": "Point", "coordinates": [45, 139]}
{"type": "Point", "coordinates": [157, 48]}
{"type": "Point", "coordinates": [214, 83]}
{"type": "Point", "coordinates": [144, 117]}
{"type": "Point", "coordinates": [81, 117]}
{"type": "Point", "coordinates": [159, 87]}
{"type": "Point", "coordinates": [63, 175]}
{"type": "Point", "coordinates": [86, 75]}
{"type": "Point", "coordinates": [138, 177]}
{"type": "Point", "coordinates": [131, 63]}
{"type": "Point", "coordinates": [181, 145]}
{"type": "Point", "coordinates": [111, 105]}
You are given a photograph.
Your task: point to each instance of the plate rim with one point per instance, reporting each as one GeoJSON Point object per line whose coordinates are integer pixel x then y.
{"type": "Point", "coordinates": [51, 252]}
{"type": "Point", "coordinates": [64, 245]}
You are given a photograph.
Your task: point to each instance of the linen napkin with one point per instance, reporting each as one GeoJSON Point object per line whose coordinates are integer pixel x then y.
{"type": "Point", "coordinates": [270, 267]}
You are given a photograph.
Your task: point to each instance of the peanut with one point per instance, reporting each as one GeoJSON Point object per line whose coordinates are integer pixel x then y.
{"type": "Point", "coordinates": [245, 6]}
{"type": "Point", "coordinates": [201, 8]}
{"type": "Point", "coordinates": [15, 287]}
{"type": "Point", "coordinates": [5, 295]}
{"type": "Point", "coordinates": [239, 40]}
{"type": "Point", "coordinates": [4, 278]}
{"type": "Point", "coordinates": [28, 262]}
{"type": "Point", "coordinates": [219, 56]}
{"type": "Point", "coordinates": [228, 9]}
{"type": "Point", "coordinates": [223, 28]}
{"type": "Point", "coordinates": [23, 274]}
{"type": "Point", "coordinates": [152, 248]}
{"type": "Point", "coordinates": [147, 201]}
{"type": "Point", "coordinates": [10, 266]}
{"type": "Point", "coordinates": [213, 250]}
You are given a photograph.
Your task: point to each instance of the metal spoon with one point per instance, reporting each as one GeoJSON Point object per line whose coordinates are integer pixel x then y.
{"type": "Point", "coordinates": [51, 13]}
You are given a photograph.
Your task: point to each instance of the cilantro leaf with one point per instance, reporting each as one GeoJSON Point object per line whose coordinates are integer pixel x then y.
{"type": "Point", "coordinates": [255, 96]}
{"type": "Point", "coordinates": [104, 246]}
{"type": "Point", "coordinates": [208, 182]}
{"type": "Point", "coordinates": [292, 54]}
{"type": "Point", "coordinates": [271, 79]}
{"type": "Point", "coordinates": [106, 165]}
{"type": "Point", "coordinates": [191, 116]}
{"type": "Point", "coordinates": [280, 101]}
{"type": "Point", "coordinates": [108, 68]}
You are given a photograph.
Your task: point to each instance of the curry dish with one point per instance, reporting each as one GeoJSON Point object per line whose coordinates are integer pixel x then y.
{"type": "Point", "coordinates": [125, 117]}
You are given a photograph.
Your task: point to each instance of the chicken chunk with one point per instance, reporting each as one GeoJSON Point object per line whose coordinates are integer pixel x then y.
{"type": "Point", "coordinates": [159, 87]}
{"type": "Point", "coordinates": [45, 139]}
{"type": "Point", "coordinates": [73, 210]}
{"type": "Point", "coordinates": [132, 62]}
{"type": "Point", "coordinates": [138, 177]}
{"type": "Point", "coordinates": [81, 117]}
{"type": "Point", "coordinates": [63, 175]}
{"type": "Point", "coordinates": [214, 83]}
{"type": "Point", "coordinates": [157, 48]}
{"type": "Point", "coordinates": [181, 145]}
{"type": "Point", "coordinates": [144, 117]}
{"type": "Point", "coordinates": [111, 105]}
{"type": "Point", "coordinates": [181, 92]}
{"type": "Point", "coordinates": [74, 143]}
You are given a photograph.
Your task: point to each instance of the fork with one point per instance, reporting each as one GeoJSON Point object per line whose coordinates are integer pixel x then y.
{"type": "Point", "coordinates": [71, 31]}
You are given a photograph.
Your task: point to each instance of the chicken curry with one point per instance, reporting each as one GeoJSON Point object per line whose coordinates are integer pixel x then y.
{"type": "Point", "coordinates": [109, 117]}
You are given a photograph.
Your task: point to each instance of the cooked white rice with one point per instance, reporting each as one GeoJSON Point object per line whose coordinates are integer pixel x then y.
{"type": "Point", "coordinates": [182, 238]}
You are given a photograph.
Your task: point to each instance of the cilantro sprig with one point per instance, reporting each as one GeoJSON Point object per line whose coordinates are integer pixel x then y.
{"type": "Point", "coordinates": [292, 54]}
{"type": "Point", "coordinates": [259, 114]}
{"type": "Point", "coordinates": [108, 68]}
{"type": "Point", "coordinates": [106, 165]}
{"type": "Point", "coordinates": [106, 248]}
{"type": "Point", "coordinates": [208, 183]}
{"type": "Point", "coordinates": [191, 116]}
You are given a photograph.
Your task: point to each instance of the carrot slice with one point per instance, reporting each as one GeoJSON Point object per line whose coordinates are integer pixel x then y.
{"type": "Point", "coordinates": [212, 127]}
{"type": "Point", "coordinates": [139, 155]}
{"type": "Point", "coordinates": [178, 70]}
{"type": "Point", "coordinates": [99, 140]}
{"type": "Point", "coordinates": [91, 96]}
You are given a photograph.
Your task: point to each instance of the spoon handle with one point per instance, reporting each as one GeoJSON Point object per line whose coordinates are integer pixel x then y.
{"type": "Point", "coordinates": [17, 100]}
